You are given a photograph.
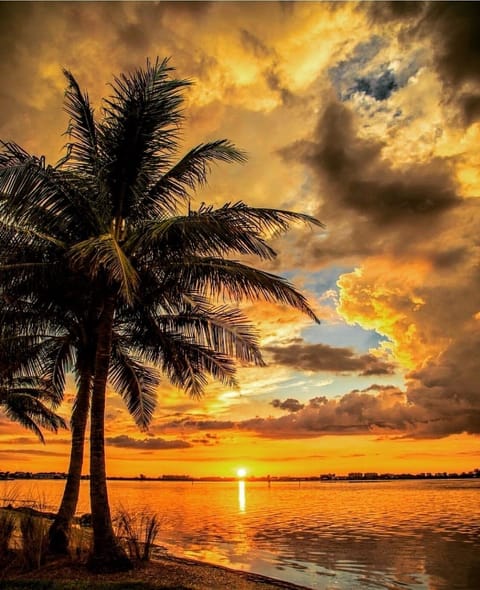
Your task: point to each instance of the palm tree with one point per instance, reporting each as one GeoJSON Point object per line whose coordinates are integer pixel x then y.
{"type": "Point", "coordinates": [29, 402]}
{"type": "Point", "coordinates": [117, 212]}
{"type": "Point", "coordinates": [52, 340]}
{"type": "Point", "coordinates": [54, 336]}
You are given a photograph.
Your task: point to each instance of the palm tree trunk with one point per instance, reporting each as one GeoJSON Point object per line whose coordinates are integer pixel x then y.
{"type": "Point", "coordinates": [59, 532]}
{"type": "Point", "coordinates": [107, 555]}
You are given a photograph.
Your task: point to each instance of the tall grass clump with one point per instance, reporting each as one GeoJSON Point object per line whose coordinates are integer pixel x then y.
{"type": "Point", "coordinates": [7, 528]}
{"type": "Point", "coordinates": [80, 543]}
{"type": "Point", "coordinates": [138, 532]}
{"type": "Point", "coordinates": [33, 531]}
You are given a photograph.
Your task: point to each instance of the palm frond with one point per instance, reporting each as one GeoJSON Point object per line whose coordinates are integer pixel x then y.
{"type": "Point", "coordinates": [184, 361]}
{"type": "Point", "coordinates": [83, 149]}
{"type": "Point", "coordinates": [186, 364]}
{"type": "Point", "coordinates": [29, 357]}
{"type": "Point", "coordinates": [57, 362]}
{"type": "Point", "coordinates": [233, 280]}
{"type": "Point", "coordinates": [201, 235]}
{"type": "Point", "coordinates": [40, 197]}
{"type": "Point", "coordinates": [225, 329]}
{"type": "Point", "coordinates": [139, 131]}
{"type": "Point", "coordinates": [233, 228]}
{"type": "Point", "coordinates": [136, 383]}
{"type": "Point", "coordinates": [22, 402]}
{"type": "Point", "coordinates": [105, 255]}
{"type": "Point", "coordinates": [172, 188]}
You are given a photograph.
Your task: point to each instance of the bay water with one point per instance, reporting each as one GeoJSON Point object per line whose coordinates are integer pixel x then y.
{"type": "Point", "coordinates": [413, 534]}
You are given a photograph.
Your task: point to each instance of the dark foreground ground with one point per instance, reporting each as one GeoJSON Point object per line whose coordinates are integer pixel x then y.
{"type": "Point", "coordinates": [160, 574]}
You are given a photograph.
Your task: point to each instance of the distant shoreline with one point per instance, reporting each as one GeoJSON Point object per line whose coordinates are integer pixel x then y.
{"type": "Point", "coordinates": [357, 477]}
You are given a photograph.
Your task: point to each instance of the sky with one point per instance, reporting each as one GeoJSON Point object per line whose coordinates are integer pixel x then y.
{"type": "Point", "coordinates": [365, 115]}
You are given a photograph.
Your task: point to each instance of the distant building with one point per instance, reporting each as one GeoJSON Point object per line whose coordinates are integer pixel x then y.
{"type": "Point", "coordinates": [355, 475]}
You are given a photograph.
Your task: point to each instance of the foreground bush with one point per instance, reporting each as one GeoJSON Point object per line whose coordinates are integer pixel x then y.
{"type": "Point", "coordinates": [33, 531]}
{"type": "Point", "coordinates": [7, 528]}
{"type": "Point", "coordinates": [138, 532]}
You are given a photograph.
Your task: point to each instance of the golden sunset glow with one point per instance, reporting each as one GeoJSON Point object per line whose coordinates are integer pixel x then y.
{"type": "Point", "coordinates": [366, 119]}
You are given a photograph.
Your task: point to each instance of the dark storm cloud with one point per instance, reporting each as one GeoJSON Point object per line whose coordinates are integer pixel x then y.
{"type": "Point", "coordinates": [454, 28]}
{"type": "Point", "coordinates": [150, 444]}
{"type": "Point", "coordinates": [442, 398]}
{"type": "Point", "coordinates": [254, 45]}
{"type": "Point", "coordinates": [448, 388]}
{"type": "Point", "coordinates": [272, 77]}
{"type": "Point", "coordinates": [291, 405]}
{"type": "Point", "coordinates": [470, 105]}
{"type": "Point", "coordinates": [387, 11]}
{"type": "Point", "coordinates": [201, 424]}
{"type": "Point", "coordinates": [273, 81]}
{"type": "Point", "coordinates": [361, 180]}
{"type": "Point", "coordinates": [133, 35]}
{"type": "Point", "coordinates": [376, 409]}
{"type": "Point", "coordinates": [449, 258]}
{"type": "Point", "coordinates": [303, 356]}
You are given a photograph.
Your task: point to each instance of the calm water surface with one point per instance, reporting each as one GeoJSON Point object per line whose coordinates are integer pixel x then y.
{"type": "Point", "coordinates": [417, 535]}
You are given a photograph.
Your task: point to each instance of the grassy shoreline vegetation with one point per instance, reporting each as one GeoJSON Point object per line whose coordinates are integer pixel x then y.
{"type": "Point", "coordinates": [26, 564]}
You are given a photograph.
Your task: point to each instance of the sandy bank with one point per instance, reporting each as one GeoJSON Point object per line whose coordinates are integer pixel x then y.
{"type": "Point", "coordinates": [165, 572]}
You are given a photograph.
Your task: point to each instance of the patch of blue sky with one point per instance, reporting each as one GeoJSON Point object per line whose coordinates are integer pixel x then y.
{"type": "Point", "coordinates": [336, 333]}
{"type": "Point", "coordinates": [325, 279]}
{"type": "Point", "coordinates": [343, 335]}
{"type": "Point", "coordinates": [365, 74]}
{"type": "Point", "coordinates": [320, 281]}
{"type": "Point", "coordinates": [344, 72]}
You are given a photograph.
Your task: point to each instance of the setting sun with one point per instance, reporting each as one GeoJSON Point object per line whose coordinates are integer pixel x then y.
{"type": "Point", "coordinates": [241, 472]}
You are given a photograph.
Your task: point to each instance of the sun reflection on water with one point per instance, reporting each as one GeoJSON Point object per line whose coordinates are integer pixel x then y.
{"type": "Point", "coordinates": [242, 500]}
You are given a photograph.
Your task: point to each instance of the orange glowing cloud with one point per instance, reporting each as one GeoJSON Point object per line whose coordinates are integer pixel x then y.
{"type": "Point", "coordinates": [385, 295]}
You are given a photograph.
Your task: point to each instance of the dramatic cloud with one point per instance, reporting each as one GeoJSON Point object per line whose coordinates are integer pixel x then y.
{"type": "Point", "coordinates": [356, 176]}
{"type": "Point", "coordinates": [208, 439]}
{"type": "Point", "coordinates": [376, 409]}
{"type": "Point", "coordinates": [441, 399]}
{"type": "Point", "coordinates": [149, 444]}
{"type": "Point", "coordinates": [303, 356]}
{"type": "Point", "coordinates": [447, 387]}
{"type": "Point", "coordinates": [292, 405]}
{"type": "Point", "coordinates": [453, 28]}
{"type": "Point", "coordinates": [201, 424]}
